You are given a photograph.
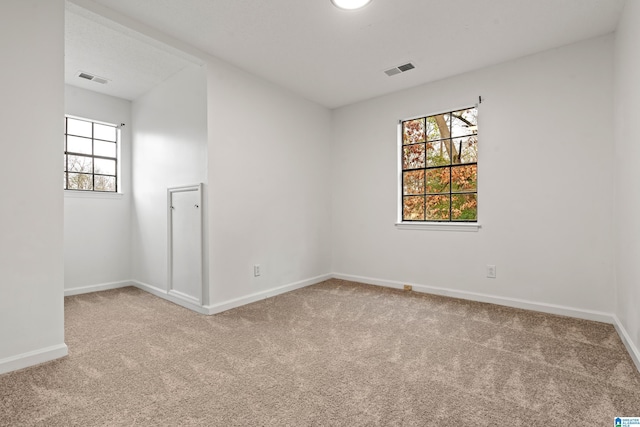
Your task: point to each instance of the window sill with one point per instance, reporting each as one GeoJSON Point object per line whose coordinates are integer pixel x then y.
{"type": "Point", "coordinates": [91, 195]}
{"type": "Point", "coordinates": [439, 226]}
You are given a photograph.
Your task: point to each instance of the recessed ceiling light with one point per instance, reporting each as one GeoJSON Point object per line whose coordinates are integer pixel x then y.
{"type": "Point", "coordinates": [350, 4]}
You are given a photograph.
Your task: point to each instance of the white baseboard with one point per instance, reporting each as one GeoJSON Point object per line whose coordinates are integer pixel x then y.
{"type": "Point", "coordinates": [237, 302]}
{"type": "Point", "coordinates": [172, 296]}
{"type": "Point", "coordinates": [628, 343]}
{"type": "Point", "coordinates": [34, 357]}
{"type": "Point", "coordinates": [96, 288]}
{"type": "Point", "coordinates": [190, 303]}
{"type": "Point", "coordinates": [597, 316]}
{"type": "Point", "coordinates": [227, 305]}
{"type": "Point", "coordinates": [51, 353]}
{"type": "Point", "coordinates": [184, 296]}
{"type": "Point", "coordinates": [169, 296]}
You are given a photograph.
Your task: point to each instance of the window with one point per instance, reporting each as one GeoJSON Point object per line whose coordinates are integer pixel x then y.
{"type": "Point", "coordinates": [439, 160]}
{"type": "Point", "coordinates": [90, 155]}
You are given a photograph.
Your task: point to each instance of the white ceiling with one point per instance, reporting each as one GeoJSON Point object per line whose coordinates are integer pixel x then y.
{"type": "Point", "coordinates": [338, 57]}
{"type": "Point", "coordinates": [132, 64]}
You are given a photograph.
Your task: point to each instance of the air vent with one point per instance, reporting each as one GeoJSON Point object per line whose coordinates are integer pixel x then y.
{"type": "Point", "coordinates": [399, 69]}
{"type": "Point", "coordinates": [91, 77]}
{"type": "Point", "coordinates": [406, 67]}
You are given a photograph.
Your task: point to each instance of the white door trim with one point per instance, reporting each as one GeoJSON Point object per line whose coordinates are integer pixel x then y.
{"type": "Point", "coordinates": [170, 191]}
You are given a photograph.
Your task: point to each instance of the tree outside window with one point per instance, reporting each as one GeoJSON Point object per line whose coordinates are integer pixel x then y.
{"type": "Point", "coordinates": [439, 157]}
{"type": "Point", "coordinates": [90, 156]}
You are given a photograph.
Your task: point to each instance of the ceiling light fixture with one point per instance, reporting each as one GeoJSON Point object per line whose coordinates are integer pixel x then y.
{"type": "Point", "coordinates": [350, 4]}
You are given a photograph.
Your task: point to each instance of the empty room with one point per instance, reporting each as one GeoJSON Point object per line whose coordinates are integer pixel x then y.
{"type": "Point", "coordinates": [321, 212]}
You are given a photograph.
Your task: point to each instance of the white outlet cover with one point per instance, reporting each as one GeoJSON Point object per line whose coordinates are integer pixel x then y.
{"type": "Point", "coordinates": [491, 271]}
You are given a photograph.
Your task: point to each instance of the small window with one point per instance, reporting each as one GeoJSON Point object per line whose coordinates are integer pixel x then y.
{"type": "Point", "coordinates": [90, 155]}
{"type": "Point", "coordinates": [439, 161]}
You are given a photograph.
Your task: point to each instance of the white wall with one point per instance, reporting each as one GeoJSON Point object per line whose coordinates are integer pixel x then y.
{"type": "Point", "coordinates": [545, 183]}
{"type": "Point", "coordinates": [97, 227]}
{"type": "Point", "coordinates": [269, 186]}
{"type": "Point", "coordinates": [31, 242]}
{"type": "Point", "coordinates": [169, 150]}
{"type": "Point", "coordinates": [627, 170]}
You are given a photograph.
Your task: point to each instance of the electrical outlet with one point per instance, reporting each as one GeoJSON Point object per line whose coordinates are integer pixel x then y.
{"type": "Point", "coordinates": [408, 287]}
{"type": "Point", "coordinates": [256, 270]}
{"type": "Point", "coordinates": [491, 271]}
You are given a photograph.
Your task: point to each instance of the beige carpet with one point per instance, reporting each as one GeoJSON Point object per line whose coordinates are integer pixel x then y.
{"type": "Point", "coordinates": [336, 353]}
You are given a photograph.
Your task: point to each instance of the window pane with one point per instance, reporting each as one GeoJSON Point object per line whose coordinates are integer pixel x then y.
{"type": "Point", "coordinates": [413, 182]}
{"type": "Point", "coordinates": [78, 127]}
{"type": "Point", "coordinates": [413, 156]}
{"type": "Point", "coordinates": [464, 178]}
{"type": "Point", "coordinates": [464, 207]}
{"type": "Point", "coordinates": [413, 208]}
{"type": "Point", "coordinates": [76, 144]}
{"type": "Point", "coordinates": [464, 122]}
{"type": "Point", "coordinates": [467, 148]}
{"type": "Point", "coordinates": [438, 207]}
{"type": "Point", "coordinates": [79, 164]}
{"type": "Point", "coordinates": [438, 127]}
{"type": "Point", "coordinates": [103, 148]}
{"type": "Point", "coordinates": [438, 180]}
{"type": "Point", "coordinates": [105, 183]}
{"type": "Point", "coordinates": [438, 153]}
{"type": "Point", "coordinates": [105, 132]}
{"type": "Point", "coordinates": [439, 175]}
{"type": "Point", "coordinates": [84, 141]}
{"type": "Point", "coordinates": [80, 181]}
{"type": "Point", "coordinates": [413, 131]}
{"type": "Point", "coordinates": [105, 167]}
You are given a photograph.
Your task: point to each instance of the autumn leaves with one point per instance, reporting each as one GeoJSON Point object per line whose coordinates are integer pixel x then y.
{"type": "Point", "coordinates": [439, 167]}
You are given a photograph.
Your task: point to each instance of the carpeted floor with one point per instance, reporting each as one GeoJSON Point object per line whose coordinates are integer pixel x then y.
{"type": "Point", "coordinates": [333, 354]}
